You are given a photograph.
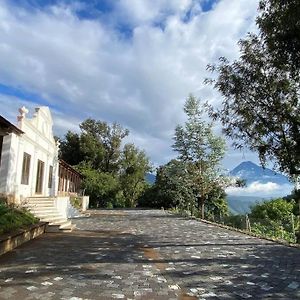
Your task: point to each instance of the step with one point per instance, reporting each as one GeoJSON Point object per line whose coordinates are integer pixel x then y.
{"type": "Point", "coordinates": [47, 215]}
{"type": "Point", "coordinates": [54, 220]}
{"type": "Point", "coordinates": [43, 209]}
{"type": "Point", "coordinates": [66, 226]}
{"type": "Point", "coordinates": [40, 203]}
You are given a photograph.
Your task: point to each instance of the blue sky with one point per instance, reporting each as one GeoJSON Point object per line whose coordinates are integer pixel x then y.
{"type": "Point", "coordinates": [129, 61]}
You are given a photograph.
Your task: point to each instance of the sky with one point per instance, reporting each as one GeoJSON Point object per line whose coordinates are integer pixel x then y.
{"type": "Point", "coordinates": [133, 62]}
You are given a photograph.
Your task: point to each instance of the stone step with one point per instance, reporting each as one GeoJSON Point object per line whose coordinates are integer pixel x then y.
{"type": "Point", "coordinates": [41, 200]}
{"type": "Point", "coordinates": [45, 215]}
{"type": "Point", "coordinates": [44, 208]}
{"type": "Point", "coordinates": [54, 220]}
{"type": "Point", "coordinates": [29, 205]}
{"type": "Point", "coordinates": [64, 227]}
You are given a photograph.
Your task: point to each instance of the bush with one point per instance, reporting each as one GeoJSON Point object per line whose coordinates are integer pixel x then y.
{"type": "Point", "coordinates": [101, 187]}
{"type": "Point", "coordinates": [12, 218]}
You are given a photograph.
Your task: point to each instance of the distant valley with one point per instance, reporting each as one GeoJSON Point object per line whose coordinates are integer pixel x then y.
{"type": "Point", "coordinates": [261, 185]}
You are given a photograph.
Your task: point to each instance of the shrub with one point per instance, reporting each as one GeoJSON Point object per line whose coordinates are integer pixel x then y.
{"type": "Point", "coordinates": [12, 218]}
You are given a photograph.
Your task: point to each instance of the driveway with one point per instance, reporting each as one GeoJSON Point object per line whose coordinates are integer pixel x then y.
{"type": "Point", "coordinates": [148, 254]}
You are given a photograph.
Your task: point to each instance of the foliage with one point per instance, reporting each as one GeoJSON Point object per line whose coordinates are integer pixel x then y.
{"type": "Point", "coordinates": [278, 210]}
{"type": "Point", "coordinates": [172, 188]}
{"type": "Point", "coordinates": [134, 165]}
{"type": "Point", "coordinates": [69, 149]}
{"type": "Point", "coordinates": [261, 89]}
{"type": "Point", "coordinates": [216, 204]}
{"type": "Point", "coordinates": [280, 27]}
{"type": "Point", "coordinates": [13, 218]}
{"type": "Point", "coordinates": [101, 144]}
{"type": "Point", "coordinates": [274, 219]}
{"type": "Point", "coordinates": [101, 187]}
{"type": "Point", "coordinates": [76, 202]}
{"type": "Point", "coordinates": [200, 150]}
{"type": "Point", "coordinates": [113, 176]}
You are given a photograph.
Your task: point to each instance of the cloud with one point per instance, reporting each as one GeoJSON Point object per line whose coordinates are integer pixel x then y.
{"type": "Point", "coordinates": [269, 189]}
{"type": "Point", "coordinates": [88, 68]}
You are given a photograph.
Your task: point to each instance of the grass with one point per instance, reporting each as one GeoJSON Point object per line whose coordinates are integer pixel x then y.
{"type": "Point", "coordinates": [13, 218]}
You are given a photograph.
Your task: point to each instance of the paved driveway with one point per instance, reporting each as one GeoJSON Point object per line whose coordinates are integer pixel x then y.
{"type": "Point", "coordinates": [149, 255]}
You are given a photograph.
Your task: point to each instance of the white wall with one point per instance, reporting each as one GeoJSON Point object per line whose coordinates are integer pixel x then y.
{"type": "Point", "coordinates": [39, 143]}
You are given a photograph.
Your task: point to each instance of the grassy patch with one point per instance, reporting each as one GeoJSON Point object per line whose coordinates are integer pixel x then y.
{"type": "Point", "coordinates": [13, 218]}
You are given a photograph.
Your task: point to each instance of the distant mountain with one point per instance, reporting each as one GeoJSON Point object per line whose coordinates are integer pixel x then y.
{"type": "Point", "coordinates": [251, 172]}
{"type": "Point", "coordinates": [150, 178]}
{"type": "Point", "coordinates": [242, 204]}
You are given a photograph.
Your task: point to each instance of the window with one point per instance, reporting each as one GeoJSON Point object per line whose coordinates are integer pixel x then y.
{"type": "Point", "coordinates": [25, 168]}
{"type": "Point", "coordinates": [39, 177]}
{"type": "Point", "coordinates": [50, 177]}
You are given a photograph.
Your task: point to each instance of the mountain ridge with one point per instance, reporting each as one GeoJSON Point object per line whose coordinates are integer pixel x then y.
{"type": "Point", "coordinates": [251, 172]}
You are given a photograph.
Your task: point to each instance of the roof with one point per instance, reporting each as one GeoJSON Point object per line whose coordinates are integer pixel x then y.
{"type": "Point", "coordinates": [8, 127]}
{"type": "Point", "coordinates": [68, 167]}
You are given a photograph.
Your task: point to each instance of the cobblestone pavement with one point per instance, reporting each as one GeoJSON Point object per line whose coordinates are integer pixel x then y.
{"type": "Point", "coordinates": [137, 254]}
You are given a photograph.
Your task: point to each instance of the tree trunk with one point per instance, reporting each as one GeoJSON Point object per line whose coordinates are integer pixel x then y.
{"type": "Point", "coordinates": [202, 209]}
{"type": "Point", "coordinates": [201, 201]}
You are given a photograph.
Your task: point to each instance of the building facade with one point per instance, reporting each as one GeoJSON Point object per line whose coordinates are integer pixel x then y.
{"type": "Point", "coordinates": [29, 164]}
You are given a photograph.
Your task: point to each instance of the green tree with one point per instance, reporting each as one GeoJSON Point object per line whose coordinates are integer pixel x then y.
{"type": "Point", "coordinates": [134, 165]}
{"type": "Point", "coordinates": [200, 149]}
{"type": "Point", "coordinates": [101, 187]}
{"type": "Point", "coordinates": [216, 204]}
{"type": "Point", "coordinates": [274, 218]}
{"type": "Point", "coordinates": [101, 144]}
{"type": "Point", "coordinates": [174, 187]}
{"type": "Point", "coordinates": [260, 90]}
{"type": "Point", "coordinates": [280, 27]}
{"type": "Point", "coordinates": [70, 149]}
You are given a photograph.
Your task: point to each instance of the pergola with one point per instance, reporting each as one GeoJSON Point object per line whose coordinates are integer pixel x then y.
{"type": "Point", "coordinates": [69, 179]}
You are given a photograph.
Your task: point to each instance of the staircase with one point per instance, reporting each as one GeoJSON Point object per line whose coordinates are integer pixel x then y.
{"type": "Point", "coordinates": [44, 209]}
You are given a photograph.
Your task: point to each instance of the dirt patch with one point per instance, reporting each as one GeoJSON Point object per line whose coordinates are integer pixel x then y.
{"type": "Point", "coordinates": [152, 254]}
{"type": "Point", "coordinates": [184, 296]}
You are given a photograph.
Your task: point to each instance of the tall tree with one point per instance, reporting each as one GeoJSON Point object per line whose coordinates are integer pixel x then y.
{"type": "Point", "coordinates": [200, 149]}
{"type": "Point", "coordinates": [134, 164]}
{"type": "Point", "coordinates": [70, 150]}
{"type": "Point", "coordinates": [280, 28]}
{"type": "Point", "coordinates": [101, 143]}
{"type": "Point", "coordinates": [174, 187]}
{"type": "Point", "coordinates": [260, 90]}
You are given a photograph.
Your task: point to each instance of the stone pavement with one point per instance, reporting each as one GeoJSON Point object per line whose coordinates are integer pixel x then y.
{"type": "Point", "coordinates": [138, 254]}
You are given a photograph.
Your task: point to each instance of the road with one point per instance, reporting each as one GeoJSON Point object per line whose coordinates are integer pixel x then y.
{"type": "Point", "coordinates": [148, 254]}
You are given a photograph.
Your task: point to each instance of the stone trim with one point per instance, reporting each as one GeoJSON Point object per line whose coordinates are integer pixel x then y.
{"type": "Point", "coordinates": [12, 240]}
{"type": "Point", "coordinates": [239, 230]}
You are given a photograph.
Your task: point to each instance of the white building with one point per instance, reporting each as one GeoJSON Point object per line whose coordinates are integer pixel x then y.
{"type": "Point", "coordinates": [30, 172]}
{"type": "Point", "coordinates": [29, 157]}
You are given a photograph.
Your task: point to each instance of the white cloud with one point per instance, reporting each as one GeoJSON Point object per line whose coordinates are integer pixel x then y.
{"type": "Point", "coordinates": [86, 68]}
{"type": "Point", "coordinates": [269, 189]}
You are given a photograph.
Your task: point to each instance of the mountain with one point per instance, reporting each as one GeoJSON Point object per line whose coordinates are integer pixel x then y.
{"type": "Point", "coordinates": [251, 172]}
{"type": "Point", "coordinates": [150, 178]}
{"type": "Point", "coordinates": [242, 204]}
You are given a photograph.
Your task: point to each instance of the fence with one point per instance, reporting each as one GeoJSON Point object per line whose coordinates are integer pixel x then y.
{"type": "Point", "coordinates": [280, 229]}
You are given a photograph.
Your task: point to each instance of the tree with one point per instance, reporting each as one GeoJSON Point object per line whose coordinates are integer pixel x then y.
{"type": "Point", "coordinates": [174, 187]}
{"type": "Point", "coordinates": [101, 187]}
{"type": "Point", "coordinates": [70, 149]}
{"type": "Point", "coordinates": [134, 165]}
{"type": "Point", "coordinates": [200, 149]}
{"type": "Point", "coordinates": [280, 27]}
{"type": "Point", "coordinates": [260, 107]}
{"type": "Point", "coordinates": [274, 218]}
{"type": "Point", "coordinates": [101, 144]}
